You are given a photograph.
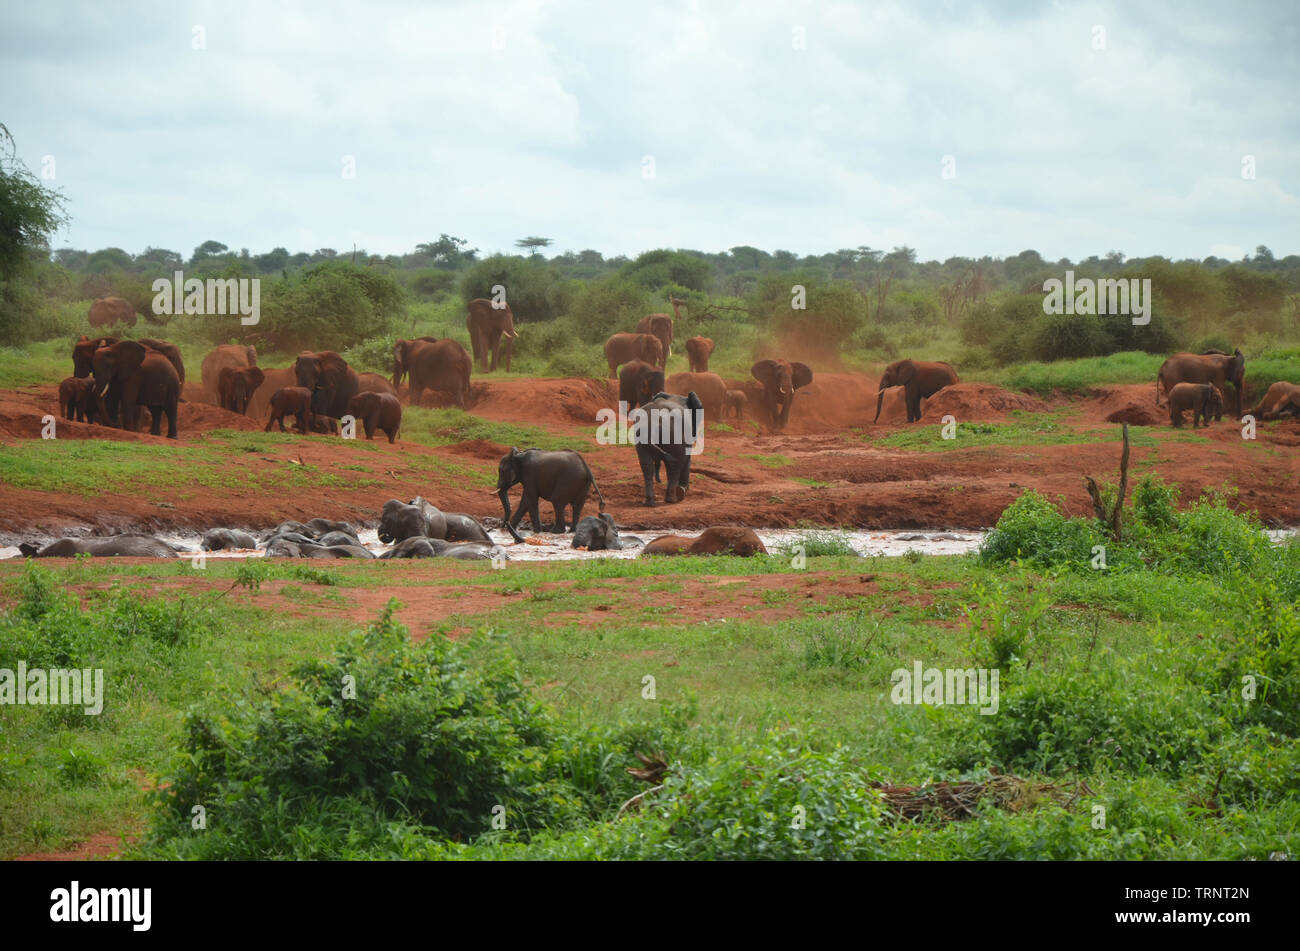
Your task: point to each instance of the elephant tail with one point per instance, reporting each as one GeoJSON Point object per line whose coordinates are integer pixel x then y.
{"type": "Point", "coordinates": [592, 477]}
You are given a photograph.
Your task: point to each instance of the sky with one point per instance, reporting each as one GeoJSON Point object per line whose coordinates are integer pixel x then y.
{"type": "Point", "coordinates": [954, 128]}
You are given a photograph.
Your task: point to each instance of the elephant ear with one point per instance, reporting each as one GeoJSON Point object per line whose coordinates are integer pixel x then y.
{"type": "Point", "coordinates": [800, 374]}
{"type": "Point", "coordinates": [130, 355]}
{"type": "Point", "coordinates": [906, 372]}
{"type": "Point", "coordinates": [765, 372]}
{"type": "Point", "coordinates": [256, 377]}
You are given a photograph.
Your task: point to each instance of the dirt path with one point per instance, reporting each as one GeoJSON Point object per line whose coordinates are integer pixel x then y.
{"type": "Point", "coordinates": [826, 468]}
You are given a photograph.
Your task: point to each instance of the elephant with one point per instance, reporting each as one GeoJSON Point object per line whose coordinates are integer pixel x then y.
{"type": "Point", "coordinates": [465, 528]}
{"type": "Point", "coordinates": [235, 387]}
{"type": "Point", "coordinates": [1203, 399]}
{"type": "Point", "coordinates": [402, 520]}
{"type": "Point", "coordinates": [623, 348]}
{"type": "Point", "coordinates": [222, 539]}
{"type": "Point", "coordinates": [107, 311]}
{"type": "Point", "coordinates": [698, 351]}
{"type": "Point", "coordinates": [168, 350]}
{"type": "Point", "coordinates": [442, 365]}
{"type": "Point", "coordinates": [417, 546]}
{"type": "Point", "coordinates": [83, 353]}
{"type": "Point", "coordinates": [722, 540]}
{"type": "Point", "coordinates": [1216, 368]}
{"type": "Point", "coordinates": [126, 546]}
{"type": "Point", "coordinates": [374, 383]}
{"type": "Point", "coordinates": [668, 434]}
{"type": "Point", "coordinates": [285, 527]}
{"type": "Point", "coordinates": [709, 387]}
{"type": "Point", "coordinates": [920, 379]}
{"type": "Point", "coordinates": [599, 533]}
{"type": "Point", "coordinates": [1281, 399]}
{"type": "Point", "coordinates": [330, 539]}
{"type": "Point", "coordinates": [734, 401]}
{"type": "Point", "coordinates": [227, 355]}
{"type": "Point", "coordinates": [486, 322]}
{"type": "Point", "coordinates": [562, 477]}
{"type": "Point", "coordinates": [399, 362]}
{"type": "Point", "coordinates": [465, 551]}
{"type": "Point", "coordinates": [319, 526]}
{"type": "Point", "coordinates": [638, 382]}
{"type": "Point", "coordinates": [137, 376]}
{"type": "Point", "coordinates": [780, 378]}
{"type": "Point", "coordinates": [659, 326]}
{"type": "Point", "coordinates": [282, 548]}
{"type": "Point", "coordinates": [77, 399]}
{"type": "Point", "coordinates": [332, 382]}
{"type": "Point", "coordinates": [377, 411]}
{"type": "Point", "coordinates": [334, 551]}
{"type": "Point", "coordinates": [273, 381]}
{"type": "Point", "coordinates": [293, 401]}
{"type": "Point", "coordinates": [324, 425]}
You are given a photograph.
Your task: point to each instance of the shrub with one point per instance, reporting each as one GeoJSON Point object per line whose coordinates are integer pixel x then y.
{"type": "Point", "coordinates": [532, 287]}
{"type": "Point", "coordinates": [1035, 531]}
{"type": "Point", "coordinates": [609, 306]}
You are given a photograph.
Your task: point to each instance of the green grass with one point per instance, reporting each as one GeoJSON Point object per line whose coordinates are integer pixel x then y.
{"type": "Point", "coordinates": [46, 362]}
{"type": "Point", "coordinates": [1030, 429]}
{"type": "Point", "coordinates": [443, 427]}
{"type": "Point", "coordinates": [776, 461]}
{"type": "Point", "coordinates": [1080, 376]}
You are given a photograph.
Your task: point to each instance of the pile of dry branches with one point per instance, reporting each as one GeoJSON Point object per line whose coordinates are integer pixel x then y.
{"type": "Point", "coordinates": [957, 800]}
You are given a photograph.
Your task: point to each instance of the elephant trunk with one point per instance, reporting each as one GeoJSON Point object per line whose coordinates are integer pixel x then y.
{"type": "Point", "coordinates": [880, 398]}
{"type": "Point", "coordinates": [504, 495]}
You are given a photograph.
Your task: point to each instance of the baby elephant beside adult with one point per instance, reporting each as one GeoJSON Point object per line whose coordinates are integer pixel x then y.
{"type": "Point", "coordinates": [562, 478]}
{"type": "Point", "coordinates": [721, 540]}
{"type": "Point", "coordinates": [1203, 399]}
{"type": "Point", "coordinates": [126, 546]}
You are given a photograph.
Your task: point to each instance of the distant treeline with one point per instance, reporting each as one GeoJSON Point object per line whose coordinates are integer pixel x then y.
{"type": "Point", "coordinates": [860, 301]}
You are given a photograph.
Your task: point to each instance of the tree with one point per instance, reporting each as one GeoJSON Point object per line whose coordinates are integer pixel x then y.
{"type": "Point", "coordinates": [448, 252]}
{"type": "Point", "coordinates": [533, 243]}
{"type": "Point", "coordinates": [208, 249]}
{"type": "Point", "coordinates": [29, 212]}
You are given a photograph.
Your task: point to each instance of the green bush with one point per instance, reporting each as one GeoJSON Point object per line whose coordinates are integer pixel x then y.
{"type": "Point", "coordinates": [532, 288]}
{"type": "Point", "coordinates": [1035, 531]}
{"type": "Point", "coordinates": [332, 306]}
{"type": "Point", "coordinates": [609, 306]}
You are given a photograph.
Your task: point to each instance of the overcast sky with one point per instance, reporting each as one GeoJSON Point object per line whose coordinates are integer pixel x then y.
{"type": "Point", "coordinates": [807, 127]}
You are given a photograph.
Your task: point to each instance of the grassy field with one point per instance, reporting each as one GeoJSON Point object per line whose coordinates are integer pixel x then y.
{"type": "Point", "coordinates": [1126, 680]}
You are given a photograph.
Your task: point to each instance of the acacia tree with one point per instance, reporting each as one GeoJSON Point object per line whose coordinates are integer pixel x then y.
{"type": "Point", "coordinates": [532, 243]}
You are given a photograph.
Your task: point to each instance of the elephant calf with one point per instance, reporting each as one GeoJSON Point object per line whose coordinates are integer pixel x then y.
{"type": "Point", "coordinates": [377, 411]}
{"type": "Point", "coordinates": [77, 399]}
{"type": "Point", "coordinates": [292, 401]}
{"type": "Point", "coordinates": [220, 539]}
{"type": "Point", "coordinates": [725, 540]}
{"type": "Point", "coordinates": [597, 533]}
{"type": "Point", "coordinates": [734, 403]}
{"type": "Point", "coordinates": [1203, 399]}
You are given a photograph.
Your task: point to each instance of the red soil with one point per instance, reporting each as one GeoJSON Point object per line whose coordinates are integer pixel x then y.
{"type": "Point", "coordinates": [830, 439]}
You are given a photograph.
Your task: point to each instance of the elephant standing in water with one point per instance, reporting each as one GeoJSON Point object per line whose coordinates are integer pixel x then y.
{"type": "Point", "coordinates": [919, 380]}
{"type": "Point", "coordinates": [780, 378]}
{"type": "Point", "coordinates": [1210, 367]}
{"type": "Point", "coordinates": [487, 322]}
{"type": "Point", "coordinates": [562, 477]}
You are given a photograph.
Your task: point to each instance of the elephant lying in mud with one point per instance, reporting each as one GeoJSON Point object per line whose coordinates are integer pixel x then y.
{"type": "Point", "coordinates": [724, 540]}
{"type": "Point", "coordinates": [420, 547]}
{"type": "Point", "coordinates": [221, 539]}
{"type": "Point", "coordinates": [422, 519]}
{"type": "Point", "coordinates": [599, 533]}
{"type": "Point", "coordinates": [1282, 399]}
{"type": "Point", "coordinates": [127, 546]}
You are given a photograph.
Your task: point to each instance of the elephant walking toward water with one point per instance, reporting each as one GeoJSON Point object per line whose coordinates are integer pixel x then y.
{"type": "Point", "coordinates": [562, 478]}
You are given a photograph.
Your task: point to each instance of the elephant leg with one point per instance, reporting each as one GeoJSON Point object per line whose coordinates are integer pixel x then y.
{"type": "Point", "coordinates": [649, 461]}
{"type": "Point", "coordinates": [534, 512]}
{"type": "Point", "coordinates": [171, 411]}
{"type": "Point", "coordinates": [417, 391]}
{"type": "Point", "coordinates": [558, 527]}
{"type": "Point", "coordinates": [674, 474]}
{"type": "Point", "coordinates": [155, 427]}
